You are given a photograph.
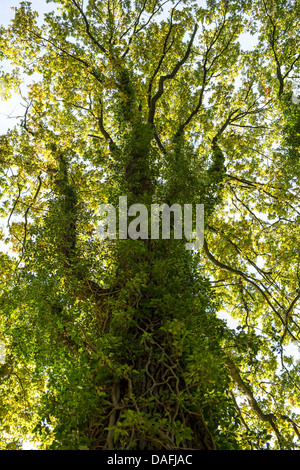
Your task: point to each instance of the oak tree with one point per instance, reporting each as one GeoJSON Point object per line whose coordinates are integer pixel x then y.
{"type": "Point", "coordinates": [119, 344]}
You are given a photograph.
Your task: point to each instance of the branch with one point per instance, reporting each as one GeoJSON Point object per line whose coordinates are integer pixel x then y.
{"type": "Point", "coordinates": [103, 131]}
{"type": "Point", "coordinates": [136, 30]}
{"type": "Point", "coordinates": [23, 389]}
{"type": "Point", "coordinates": [78, 59]}
{"type": "Point", "coordinates": [244, 276]}
{"type": "Point", "coordinates": [246, 390]}
{"type": "Point", "coordinates": [238, 410]}
{"type": "Point", "coordinates": [223, 127]}
{"type": "Point", "coordinates": [159, 143]}
{"type": "Point", "coordinates": [15, 204]}
{"type": "Point", "coordinates": [87, 27]}
{"type": "Point", "coordinates": [263, 273]}
{"type": "Point", "coordinates": [27, 210]}
{"type": "Point", "coordinates": [89, 343]}
{"type": "Point", "coordinates": [288, 314]}
{"type": "Point", "coordinates": [205, 72]}
{"type": "Point", "coordinates": [169, 76]}
{"type": "Point", "coordinates": [164, 52]}
{"type": "Point", "coordinates": [291, 67]}
{"type": "Point", "coordinates": [136, 22]}
{"type": "Point", "coordinates": [272, 42]}
{"type": "Point", "coordinates": [24, 120]}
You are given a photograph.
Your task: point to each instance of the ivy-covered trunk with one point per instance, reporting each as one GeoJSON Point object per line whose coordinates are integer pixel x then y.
{"type": "Point", "coordinates": [155, 313]}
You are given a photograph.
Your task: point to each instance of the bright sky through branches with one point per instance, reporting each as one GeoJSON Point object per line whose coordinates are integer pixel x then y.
{"type": "Point", "coordinates": [11, 111]}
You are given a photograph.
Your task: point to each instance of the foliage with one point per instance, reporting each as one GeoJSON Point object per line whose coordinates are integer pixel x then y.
{"type": "Point", "coordinates": [118, 344]}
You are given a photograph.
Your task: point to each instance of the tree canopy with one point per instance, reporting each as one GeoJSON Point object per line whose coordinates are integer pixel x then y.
{"type": "Point", "coordinates": [120, 344]}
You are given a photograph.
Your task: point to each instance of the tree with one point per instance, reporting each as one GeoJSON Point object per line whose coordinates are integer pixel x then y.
{"type": "Point", "coordinates": [116, 344]}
